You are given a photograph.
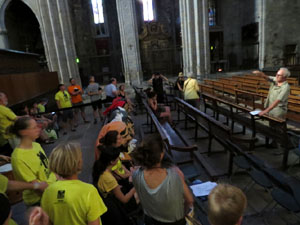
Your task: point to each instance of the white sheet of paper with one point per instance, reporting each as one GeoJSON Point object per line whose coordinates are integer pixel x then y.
{"type": "Point", "coordinates": [5, 168]}
{"type": "Point", "coordinates": [203, 189]}
{"type": "Point", "coordinates": [255, 112]}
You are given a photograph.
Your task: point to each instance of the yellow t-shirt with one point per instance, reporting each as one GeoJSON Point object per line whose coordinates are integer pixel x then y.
{"type": "Point", "coordinates": [64, 99]}
{"type": "Point", "coordinates": [12, 222]}
{"type": "Point", "coordinates": [3, 183]}
{"type": "Point", "coordinates": [118, 168]}
{"type": "Point", "coordinates": [190, 88]}
{"type": "Point", "coordinates": [29, 165]}
{"type": "Point", "coordinates": [41, 108]}
{"type": "Point", "coordinates": [7, 118]}
{"type": "Point", "coordinates": [106, 183]}
{"type": "Point", "coordinates": [72, 202]}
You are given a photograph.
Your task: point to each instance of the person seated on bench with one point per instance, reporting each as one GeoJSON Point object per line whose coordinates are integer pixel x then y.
{"type": "Point", "coordinates": [109, 188]}
{"type": "Point", "coordinates": [276, 104]}
{"type": "Point", "coordinates": [164, 195]}
{"type": "Point", "coordinates": [160, 111]}
{"type": "Point", "coordinates": [114, 139]}
{"type": "Point", "coordinates": [226, 205]}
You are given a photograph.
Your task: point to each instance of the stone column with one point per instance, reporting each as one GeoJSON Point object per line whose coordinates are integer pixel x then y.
{"type": "Point", "coordinates": [129, 41]}
{"type": "Point", "coordinates": [57, 38]}
{"type": "Point", "coordinates": [262, 15]}
{"type": "Point", "coordinates": [195, 36]}
{"type": "Point", "coordinates": [3, 39]}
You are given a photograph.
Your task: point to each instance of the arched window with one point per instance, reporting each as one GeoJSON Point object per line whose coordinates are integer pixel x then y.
{"type": "Point", "coordinates": [99, 18]}
{"type": "Point", "coordinates": [98, 11]}
{"type": "Point", "coordinates": [148, 10]}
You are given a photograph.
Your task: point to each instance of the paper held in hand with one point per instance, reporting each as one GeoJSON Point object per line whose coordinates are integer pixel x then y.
{"type": "Point", "coordinates": [203, 189]}
{"type": "Point", "coordinates": [255, 112]}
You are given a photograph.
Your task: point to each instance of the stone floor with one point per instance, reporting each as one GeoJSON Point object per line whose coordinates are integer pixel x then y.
{"type": "Point", "coordinates": [258, 198]}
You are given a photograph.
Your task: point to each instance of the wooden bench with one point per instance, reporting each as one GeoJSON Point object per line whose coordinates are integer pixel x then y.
{"type": "Point", "coordinates": [171, 136]}
{"type": "Point", "coordinates": [277, 132]}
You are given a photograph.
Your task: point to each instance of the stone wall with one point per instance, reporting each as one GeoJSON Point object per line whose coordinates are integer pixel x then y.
{"type": "Point", "coordinates": [233, 15]}
{"type": "Point", "coordinates": [282, 27]}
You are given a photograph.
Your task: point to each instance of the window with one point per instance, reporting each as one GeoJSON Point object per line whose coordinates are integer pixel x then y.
{"type": "Point", "coordinates": [98, 11]}
{"type": "Point", "coordinates": [100, 18]}
{"type": "Point", "coordinates": [212, 18]}
{"type": "Point", "coordinates": [148, 10]}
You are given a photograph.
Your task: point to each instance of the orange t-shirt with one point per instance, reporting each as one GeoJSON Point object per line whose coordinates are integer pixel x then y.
{"type": "Point", "coordinates": [75, 98]}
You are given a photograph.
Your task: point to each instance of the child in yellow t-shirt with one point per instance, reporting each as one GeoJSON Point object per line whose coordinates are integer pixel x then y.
{"type": "Point", "coordinates": [69, 200]}
{"type": "Point", "coordinates": [29, 161]}
{"type": "Point", "coordinates": [108, 185]}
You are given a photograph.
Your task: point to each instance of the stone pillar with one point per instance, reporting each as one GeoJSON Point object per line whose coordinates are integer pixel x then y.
{"type": "Point", "coordinates": [129, 41]}
{"type": "Point", "coordinates": [57, 38]}
{"type": "Point", "coordinates": [262, 15]}
{"type": "Point", "coordinates": [195, 36]}
{"type": "Point", "coordinates": [3, 39]}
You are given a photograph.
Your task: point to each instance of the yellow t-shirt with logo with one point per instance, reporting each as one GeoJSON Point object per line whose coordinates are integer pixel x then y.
{"type": "Point", "coordinates": [118, 168]}
{"type": "Point", "coordinates": [72, 202]}
{"type": "Point", "coordinates": [106, 183]}
{"type": "Point", "coordinates": [3, 183]}
{"type": "Point", "coordinates": [64, 99]}
{"type": "Point", "coordinates": [7, 118]}
{"type": "Point", "coordinates": [29, 165]}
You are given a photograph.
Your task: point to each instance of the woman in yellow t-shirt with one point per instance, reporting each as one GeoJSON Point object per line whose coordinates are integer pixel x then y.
{"type": "Point", "coordinates": [69, 200]}
{"type": "Point", "coordinates": [109, 187]}
{"type": "Point", "coordinates": [29, 161]}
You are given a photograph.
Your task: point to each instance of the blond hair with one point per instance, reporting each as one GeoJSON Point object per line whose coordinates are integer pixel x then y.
{"type": "Point", "coordinates": [226, 205]}
{"type": "Point", "coordinates": [66, 159]}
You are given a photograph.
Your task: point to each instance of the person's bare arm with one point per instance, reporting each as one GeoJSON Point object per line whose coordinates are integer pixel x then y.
{"type": "Point", "coordinates": [272, 106]}
{"type": "Point", "coordinates": [38, 217]}
{"type": "Point", "coordinates": [150, 81]}
{"type": "Point", "coordinates": [58, 104]}
{"type": "Point", "coordinates": [163, 77]}
{"type": "Point", "coordinates": [95, 222]}
{"type": "Point", "coordinates": [179, 87]}
{"type": "Point", "coordinates": [119, 194]}
{"type": "Point", "coordinates": [188, 197]}
{"type": "Point", "coordinates": [14, 185]}
{"type": "Point", "coordinates": [262, 74]}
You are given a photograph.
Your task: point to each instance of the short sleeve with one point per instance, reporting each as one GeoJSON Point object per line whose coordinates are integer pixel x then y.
{"type": "Point", "coordinates": [56, 97]}
{"type": "Point", "coordinates": [284, 94]}
{"type": "Point", "coordinates": [196, 85]}
{"type": "Point", "coordinates": [10, 114]}
{"type": "Point", "coordinates": [3, 183]}
{"type": "Point", "coordinates": [96, 206]}
{"type": "Point", "coordinates": [107, 182]}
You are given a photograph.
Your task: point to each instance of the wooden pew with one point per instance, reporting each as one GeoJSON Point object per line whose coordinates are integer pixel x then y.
{"type": "Point", "coordinates": [172, 138]}
{"type": "Point", "coordinates": [278, 132]}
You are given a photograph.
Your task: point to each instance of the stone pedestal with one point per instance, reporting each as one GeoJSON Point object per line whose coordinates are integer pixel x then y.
{"type": "Point", "coordinates": [129, 41]}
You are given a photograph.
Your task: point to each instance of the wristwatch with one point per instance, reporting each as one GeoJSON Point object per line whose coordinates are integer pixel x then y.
{"type": "Point", "coordinates": [36, 185]}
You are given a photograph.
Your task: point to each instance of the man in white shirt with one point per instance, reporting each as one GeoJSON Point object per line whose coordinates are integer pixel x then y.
{"type": "Point", "coordinates": [111, 90]}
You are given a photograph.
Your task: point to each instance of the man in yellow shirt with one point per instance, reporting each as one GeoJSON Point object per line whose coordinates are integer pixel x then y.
{"type": "Point", "coordinates": [7, 118]}
{"type": "Point", "coordinates": [63, 101]}
{"type": "Point", "coordinates": [190, 90]}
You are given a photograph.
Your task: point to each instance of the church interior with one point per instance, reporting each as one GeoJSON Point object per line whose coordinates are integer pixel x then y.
{"type": "Point", "coordinates": [190, 95]}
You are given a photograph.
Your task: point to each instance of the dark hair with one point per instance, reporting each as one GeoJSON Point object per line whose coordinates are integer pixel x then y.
{"type": "Point", "coordinates": [112, 79]}
{"type": "Point", "coordinates": [21, 124]}
{"type": "Point", "coordinates": [71, 79]}
{"type": "Point", "coordinates": [110, 138]}
{"type": "Point", "coordinates": [122, 85]}
{"type": "Point", "coordinates": [4, 208]}
{"type": "Point", "coordinates": [108, 154]}
{"type": "Point", "coordinates": [148, 153]}
{"type": "Point", "coordinates": [60, 86]}
{"type": "Point", "coordinates": [151, 94]}
{"type": "Point", "coordinates": [156, 73]}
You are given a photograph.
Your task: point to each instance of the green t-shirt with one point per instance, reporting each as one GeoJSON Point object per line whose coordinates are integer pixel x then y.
{"type": "Point", "coordinates": [72, 202]}
{"type": "Point", "coordinates": [41, 108]}
{"type": "Point", "coordinates": [3, 184]}
{"type": "Point", "coordinates": [29, 165]}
